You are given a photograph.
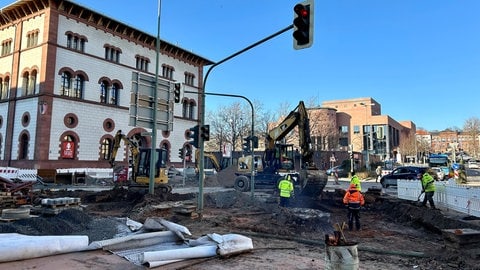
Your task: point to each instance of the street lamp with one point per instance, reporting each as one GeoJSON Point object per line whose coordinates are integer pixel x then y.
{"type": "Point", "coordinates": [370, 136]}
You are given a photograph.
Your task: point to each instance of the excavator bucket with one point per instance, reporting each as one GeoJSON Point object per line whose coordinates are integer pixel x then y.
{"type": "Point", "coordinates": [313, 181]}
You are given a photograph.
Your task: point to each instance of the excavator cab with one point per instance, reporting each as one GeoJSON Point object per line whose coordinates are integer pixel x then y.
{"type": "Point", "coordinates": [142, 174]}
{"type": "Point", "coordinates": [140, 164]}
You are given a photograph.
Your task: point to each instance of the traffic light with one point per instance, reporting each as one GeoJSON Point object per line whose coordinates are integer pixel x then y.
{"type": "Point", "coordinates": [194, 135]}
{"type": "Point", "coordinates": [255, 142]}
{"type": "Point", "coordinates": [176, 92]}
{"type": "Point", "coordinates": [181, 153]}
{"type": "Point", "coordinates": [189, 152]}
{"type": "Point", "coordinates": [205, 132]}
{"type": "Point", "coordinates": [303, 25]}
{"type": "Point", "coordinates": [246, 145]}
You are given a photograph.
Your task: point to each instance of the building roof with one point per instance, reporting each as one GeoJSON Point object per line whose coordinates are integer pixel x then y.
{"type": "Point", "coordinates": [24, 8]}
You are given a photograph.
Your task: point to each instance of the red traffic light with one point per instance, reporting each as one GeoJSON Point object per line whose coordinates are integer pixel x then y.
{"type": "Point", "coordinates": [303, 25]}
{"type": "Point", "coordinates": [301, 10]}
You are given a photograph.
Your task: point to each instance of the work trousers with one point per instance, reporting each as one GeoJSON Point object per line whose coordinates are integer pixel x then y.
{"type": "Point", "coordinates": [353, 217]}
{"type": "Point", "coordinates": [429, 198]}
{"type": "Point", "coordinates": [284, 201]}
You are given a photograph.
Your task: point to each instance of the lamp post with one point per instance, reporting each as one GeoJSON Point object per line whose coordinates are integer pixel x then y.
{"type": "Point", "coordinates": [369, 144]}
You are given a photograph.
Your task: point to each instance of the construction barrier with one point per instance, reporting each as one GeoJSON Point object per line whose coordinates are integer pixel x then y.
{"type": "Point", "coordinates": [461, 198]}
{"type": "Point", "coordinates": [16, 173]}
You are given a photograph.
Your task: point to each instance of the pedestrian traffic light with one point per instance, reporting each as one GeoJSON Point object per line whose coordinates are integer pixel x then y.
{"type": "Point", "coordinates": [194, 135]}
{"type": "Point", "coordinates": [205, 132]}
{"type": "Point", "coordinates": [303, 25]}
{"type": "Point", "coordinates": [189, 152]}
{"type": "Point", "coordinates": [246, 144]}
{"type": "Point", "coordinates": [176, 92]}
{"type": "Point", "coordinates": [181, 153]}
{"type": "Point", "coordinates": [351, 155]}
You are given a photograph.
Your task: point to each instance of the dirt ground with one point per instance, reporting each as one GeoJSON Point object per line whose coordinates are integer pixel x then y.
{"type": "Point", "coordinates": [395, 234]}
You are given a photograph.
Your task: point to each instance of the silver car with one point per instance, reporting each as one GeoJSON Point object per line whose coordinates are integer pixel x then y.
{"type": "Point", "coordinates": [440, 173]}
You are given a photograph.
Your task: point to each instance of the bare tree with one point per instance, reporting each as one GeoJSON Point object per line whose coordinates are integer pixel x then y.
{"type": "Point", "coordinates": [227, 125]}
{"type": "Point", "coordinates": [407, 146]}
{"type": "Point", "coordinates": [471, 128]}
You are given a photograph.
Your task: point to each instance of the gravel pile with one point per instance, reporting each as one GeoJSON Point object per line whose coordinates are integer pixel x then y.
{"type": "Point", "coordinates": [67, 222]}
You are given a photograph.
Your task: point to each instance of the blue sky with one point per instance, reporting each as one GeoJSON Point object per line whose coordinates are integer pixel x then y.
{"type": "Point", "coordinates": [419, 59]}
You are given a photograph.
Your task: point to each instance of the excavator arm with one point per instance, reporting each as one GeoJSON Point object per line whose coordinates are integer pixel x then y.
{"type": "Point", "coordinates": [210, 156]}
{"type": "Point", "coordinates": [312, 180]}
{"type": "Point", "coordinates": [132, 145]}
{"type": "Point", "coordinates": [297, 117]}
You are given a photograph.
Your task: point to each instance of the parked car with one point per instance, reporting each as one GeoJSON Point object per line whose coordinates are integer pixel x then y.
{"type": "Point", "coordinates": [341, 170]}
{"type": "Point", "coordinates": [440, 173]}
{"type": "Point", "coordinates": [473, 164]}
{"type": "Point", "coordinates": [404, 172]}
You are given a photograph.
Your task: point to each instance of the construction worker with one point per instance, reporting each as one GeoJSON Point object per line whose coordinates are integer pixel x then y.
{"type": "Point", "coordinates": [353, 199]}
{"type": "Point", "coordinates": [355, 180]}
{"type": "Point", "coordinates": [428, 186]}
{"type": "Point", "coordinates": [286, 190]}
{"type": "Point", "coordinates": [378, 172]}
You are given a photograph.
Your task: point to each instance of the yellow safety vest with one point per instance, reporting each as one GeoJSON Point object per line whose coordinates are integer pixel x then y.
{"type": "Point", "coordinates": [286, 188]}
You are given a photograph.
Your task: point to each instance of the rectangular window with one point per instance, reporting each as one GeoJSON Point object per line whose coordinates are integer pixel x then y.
{"type": "Point", "coordinates": [356, 129]}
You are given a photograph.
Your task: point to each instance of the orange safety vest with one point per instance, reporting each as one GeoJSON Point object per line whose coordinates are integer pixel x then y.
{"type": "Point", "coordinates": [353, 196]}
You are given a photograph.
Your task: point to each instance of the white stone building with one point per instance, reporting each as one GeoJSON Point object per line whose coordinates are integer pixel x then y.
{"type": "Point", "coordinates": [66, 81]}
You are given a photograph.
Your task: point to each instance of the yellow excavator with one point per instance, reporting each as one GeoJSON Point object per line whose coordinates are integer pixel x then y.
{"type": "Point", "coordinates": [141, 164]}
{"type": "Point", "coordinates": [279, 159]}
{"type": "Point", "coordinates": [211, 161]}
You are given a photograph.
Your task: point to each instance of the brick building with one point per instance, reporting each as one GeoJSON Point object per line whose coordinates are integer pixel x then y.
{"type": "Point", "coordinates": [361, 124]}
{"type": "Point", "coordinates": [65, 85]}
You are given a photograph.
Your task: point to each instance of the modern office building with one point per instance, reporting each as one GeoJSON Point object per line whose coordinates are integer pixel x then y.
{"type": "Point", "coordinates": [66, 79]}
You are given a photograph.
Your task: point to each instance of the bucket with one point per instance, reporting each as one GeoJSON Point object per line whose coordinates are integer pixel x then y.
{"type": "Point", "coordinates": [344, 257]}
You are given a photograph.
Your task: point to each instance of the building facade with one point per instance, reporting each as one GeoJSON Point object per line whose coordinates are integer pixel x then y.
{"type": "Point", "coordinates": [363, 128]}
{"type": "Point", "coordinates": [66, 86]}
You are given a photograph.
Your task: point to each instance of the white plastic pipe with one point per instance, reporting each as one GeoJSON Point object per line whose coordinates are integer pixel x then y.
{"type": "Point", "coordinates": [123, 242]}
{"type": "Point", "coordinates": [20, 247]}
{"type": "Point", "coordinates": [178, 254]}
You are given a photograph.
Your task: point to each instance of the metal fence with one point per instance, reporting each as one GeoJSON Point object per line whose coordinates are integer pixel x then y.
{"type": "Point", "coordinates": [448, 194]}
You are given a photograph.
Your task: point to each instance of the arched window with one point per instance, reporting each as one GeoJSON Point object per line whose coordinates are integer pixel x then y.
{"type": "Point", "coordinates": [104, 92]}
{"type": "Point", "coordinates": [79, 85]}
{"type": "Point", "coordinates": [5, 87]}
{"type": "Point", "coordinates": [23, 147]}
{"type": "Point", "coordinates": [2, 94]}
{"type": "Point", "coordinates": [66, 84]}
{"type": "Point", "coordinates": [191, 110]}
{"type": "Point", "coordinates": [68, 147]}
{"type": "Point", "coordinates": [69, 40]}
{"type": "Point", "coordinates": [106, 148]}
{"type": "Point", "coordinates": [184, 109]}
{"type": "Point", "coordinates": [114, 94]}
{"type": "Point", "coordinates": [32, 83]}
{"type": "Point", "coordinates": [25, 79]}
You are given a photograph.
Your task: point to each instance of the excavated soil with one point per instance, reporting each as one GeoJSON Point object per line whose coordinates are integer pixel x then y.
{"type": "Point", "coordinates": [395, 234]}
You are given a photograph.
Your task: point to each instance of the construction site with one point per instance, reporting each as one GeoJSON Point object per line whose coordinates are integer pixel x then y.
{"type": "Point", "coordinates": [310, 234]}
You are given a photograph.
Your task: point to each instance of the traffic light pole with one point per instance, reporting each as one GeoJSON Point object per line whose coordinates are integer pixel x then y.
{"type": "Point", "coordinates": [201, 162]}
{"type": "Point", "coordinates": [252, 134]}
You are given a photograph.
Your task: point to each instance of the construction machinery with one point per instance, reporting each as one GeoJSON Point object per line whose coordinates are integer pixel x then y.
{"type": "Point", "coordinates": [211, 162]}
{"type": "Point", "coordinates": [279, 159]}
{"type": "Point", "coordinates": [140, 164]}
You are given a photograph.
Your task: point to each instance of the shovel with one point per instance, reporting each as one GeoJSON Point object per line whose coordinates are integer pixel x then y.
{"type": "Point", "coordinates": [418, 199]}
